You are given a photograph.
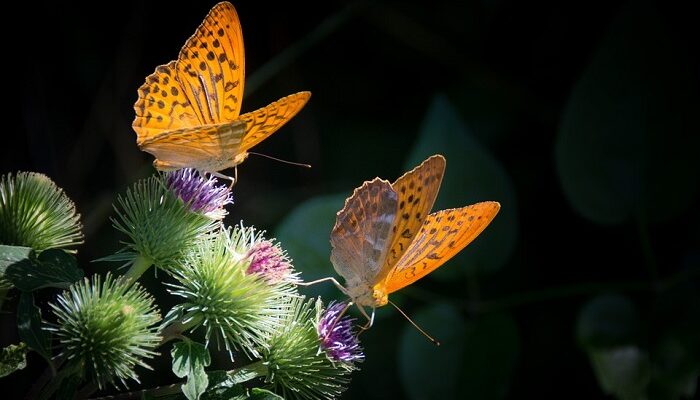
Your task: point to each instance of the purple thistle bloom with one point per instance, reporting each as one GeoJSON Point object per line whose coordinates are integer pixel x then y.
{"type": "Point", "coordinates": [337, 337]}
{"type": "Point", "coordinates": [268, 260]}
{"type": "Point", "coordinates": [201, 194]}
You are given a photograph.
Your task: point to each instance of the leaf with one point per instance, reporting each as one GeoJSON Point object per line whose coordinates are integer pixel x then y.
{"type": "Point", "coordinates": [305, 234]}
{"type": "Point", "coordinates": [608, 321]}
{"type": "Point", "coordinates": [472, 175]}
{"type": "Point", "coordinates": [53, 268]}
{"type": "Point", "coordinates": [13, 358]}
{"type": "Point", "coordinates": [627, 143]}
{"type": "Point", "coordinates": [622, 371]}
{"type": "Point", "coordinates": [475, 360]}
{"type": "Point", "coordinates": [29, 327]}
{"type": "Point", "coordinates": [263, 394]}
{"type": "Point", "coordinates": [189, 360]}
{"type": "Point", "coordinates": [222, 387]}
{"type": "Point", "coordinates": [12, 254]}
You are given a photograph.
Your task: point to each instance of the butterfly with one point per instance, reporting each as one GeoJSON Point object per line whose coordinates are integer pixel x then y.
{"type": "Point", "coordinates": [385, 238]}
{"type": "Point", "coordinates": [188, 111]}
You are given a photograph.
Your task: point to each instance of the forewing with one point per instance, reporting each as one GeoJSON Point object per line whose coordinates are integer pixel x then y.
{"type": "Point", "coordinates": [362, 232]}
{"type": "Point", "coordinates": [264, 122]}
{"type": "Point", "coordinates": [211, 66]}
{"type": "Point", "coordinates": [443, 234]}
{"type": "Point", "coordinates": [416, 191]}
{"type": "Point", "coordinates": [162, 105]}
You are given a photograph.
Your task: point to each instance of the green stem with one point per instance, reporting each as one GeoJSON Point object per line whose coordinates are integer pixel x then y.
{"type": "Point", "coordinates": [175, 330]}
{"type": "Point", "coordinates": [141, 264]}
{"type": "Point", "coordinates": [251, 371]}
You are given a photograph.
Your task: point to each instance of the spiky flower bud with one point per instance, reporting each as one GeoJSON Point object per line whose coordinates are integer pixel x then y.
{"type": "Point", "coordinates": [160, 226]}
{"type": "Point", "coordinates": [296, 365]}
{"type": "Point", "coordinates": [106, 327]}
{"type": "Point", "coordinates": [200, 194]}
{"type": "Point", "coordinates": [36, 213]}
{"type": "Point", "coordinates": [235, 307]}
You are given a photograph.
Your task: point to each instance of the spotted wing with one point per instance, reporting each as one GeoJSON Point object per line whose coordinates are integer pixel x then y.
{"type": "Point", "coordinates": [206, 148]}
{"type": "Point", "coordinates": [211, 66]}
{"type": "Point", "coordinates": [265, 121]}
{"type": "Point", "coordinates": [162, 105]}
{"type": "Point", "coordinates": [416, 191]}
{"type": "Point", "coordinates": [442, 236]}
{"type": "Point", "coordinates": [362, 232]}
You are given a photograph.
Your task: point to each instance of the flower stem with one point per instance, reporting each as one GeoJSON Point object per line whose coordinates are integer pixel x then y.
{"type": "Point", "coordinates": [251, 371]}
{"type": "Point", "coordinates": [140, 265]}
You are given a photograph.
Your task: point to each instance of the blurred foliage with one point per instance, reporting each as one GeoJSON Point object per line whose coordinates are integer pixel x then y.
{"type": "Point", "coordinates": [581, 119]}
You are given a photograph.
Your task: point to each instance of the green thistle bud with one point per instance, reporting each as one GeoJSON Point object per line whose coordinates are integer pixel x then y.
{"type": "Point", "coordinates": [36, 213]}
{"type": "Point", "coordinates": [237, 308]}
{"type": "Point", "coordinates": [298, 367]}
{"type": "Point", "coordinates": [160, 226]}
{"type": "Point", "coordinates": [263, 257]}
{"type": "Point", "coordinates": [107, 328]}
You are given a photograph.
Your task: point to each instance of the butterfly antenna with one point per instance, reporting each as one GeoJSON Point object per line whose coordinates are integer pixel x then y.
{"type": "Point", "coordinates": [280, 160]}
{"type": "Point", "coordinates": [435, 342]}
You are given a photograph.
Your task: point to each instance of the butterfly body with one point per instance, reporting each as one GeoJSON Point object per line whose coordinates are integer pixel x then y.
{"type": "Point", "coordinates": [385, 237]}
{"type": "Point", "coordinates": [188, 111]}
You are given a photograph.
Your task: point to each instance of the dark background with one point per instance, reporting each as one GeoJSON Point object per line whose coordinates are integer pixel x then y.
{"type": "Point", "coordinates": [581, 118]}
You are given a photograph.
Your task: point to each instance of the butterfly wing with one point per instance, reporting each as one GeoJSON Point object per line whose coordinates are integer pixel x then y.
{"type": "Point", "coordinates": [162, 105]}
{"type": "Point", "coordinates": [265, 121]}
{"type": "Point", "coordinates": [441, 237]}
{"type": "Point", "coordinates": [211, 66]}
{"type": "Point", "coordinates": [362, 232]}
{"type": "Point", "coordinates": [416, 192]}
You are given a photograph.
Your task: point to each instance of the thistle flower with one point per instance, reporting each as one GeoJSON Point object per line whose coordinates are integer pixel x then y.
{"type": "Point", "coordinates": [160, 226]}
{"type": "Point", "coordinates": [296, 368]}
{"type": "Point", "coordinates": [237, 308]}
{"type": "Point", "coordinates": [36, 213]}
{"type": "Point", "coordinates": [109, 328]}
{"type": "Point", "coordinates": [337, 337]}
{"type": "Point", "coordinates": [200, 194]}
{"type": "Point", "coordinates": [264, 257]}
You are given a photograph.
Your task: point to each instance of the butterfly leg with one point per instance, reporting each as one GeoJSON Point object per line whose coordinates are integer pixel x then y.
{"type": "Point", "coordinates": [327, 279]}
{"type": "Point", "coordinates": [370, 320]}
{"type": "Point", "coordinates": [228, 178]}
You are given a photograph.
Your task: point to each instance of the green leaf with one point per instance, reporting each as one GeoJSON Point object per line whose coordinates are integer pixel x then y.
{"type": "Point", "coordinates": [608, 321]}
{"type": "Point", "coordinates": [305, 234]}
{"type": "Point", "coordinates": [622, 371]}
{"type": "Point", "coordinates": [222, 387]}
{"type": "Point", "coordinates": [12, 254]}
{"type": "Point", "coordinates": [476, 359]}
{"type": "Point", "coordinates": [472, 175]}
{"type": "Point", "coordinates": [627, 144]}
{"type": "Point", "coordinates": [13, 358]}
{"type": "Point", "coordinates": [29, 327]}
{"type": "Point", "coordinates": [263, 394]}
{"type": "Point", "coordinates": [53, 268]}
{"type": "Point", "coordinates": [189, 360]}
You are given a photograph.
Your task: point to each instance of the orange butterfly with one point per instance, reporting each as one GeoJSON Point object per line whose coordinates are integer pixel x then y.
{"type": "Point", "coordinates": [385, 239]}
{"type": "Point", "coordinates": [187, 113]}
